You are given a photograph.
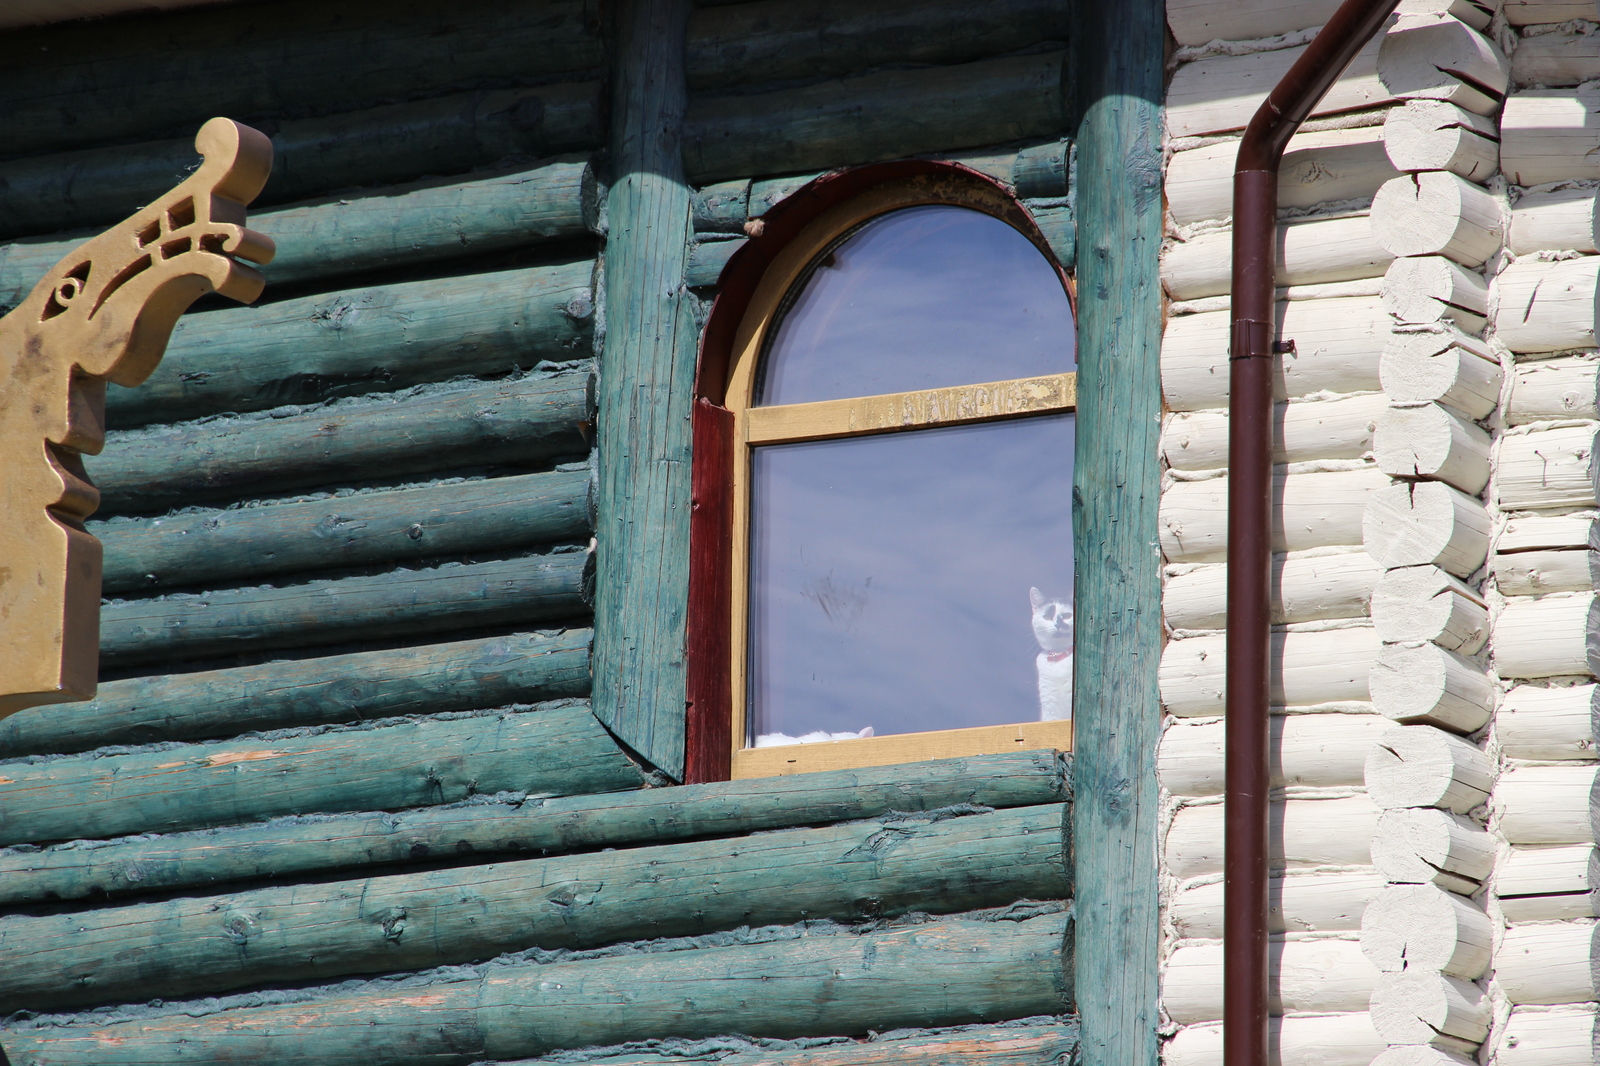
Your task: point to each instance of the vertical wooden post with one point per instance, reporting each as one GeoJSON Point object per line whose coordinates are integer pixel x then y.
{"type": "Point", "coordinates": [1117, 71]}
{"type": "Point", "coordinates": [646, 385]}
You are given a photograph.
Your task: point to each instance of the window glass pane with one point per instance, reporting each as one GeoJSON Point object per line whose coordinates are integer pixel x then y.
{"type": "Point", "coordinates": [921, 298]}
{"type": "Point", "coordinates": [890, 580]}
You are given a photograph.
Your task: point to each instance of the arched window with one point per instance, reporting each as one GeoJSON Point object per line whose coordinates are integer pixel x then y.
{"type": "Point", "coordinates": [883, 564]}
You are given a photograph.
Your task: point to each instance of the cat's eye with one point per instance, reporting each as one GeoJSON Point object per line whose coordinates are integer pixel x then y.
{"type": "Point", "coordinates": [902, 453]}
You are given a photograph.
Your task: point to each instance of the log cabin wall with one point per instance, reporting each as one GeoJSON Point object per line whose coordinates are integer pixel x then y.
{"type": "Point", "coordinates": [342, 797]}
{"type": "Point", "coordinates": [1435, 595]}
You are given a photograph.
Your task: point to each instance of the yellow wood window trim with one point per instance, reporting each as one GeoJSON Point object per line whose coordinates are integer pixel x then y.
{"type": "Point", "coordinates": [859, 416]}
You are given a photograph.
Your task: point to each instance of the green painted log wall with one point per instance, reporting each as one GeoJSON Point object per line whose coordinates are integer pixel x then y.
{"type": "Point", "coordinates": [413, 921]}
{"type": "Point", "coordinates": [940, 973]}
{"type": "Point", "coordinates": [296, 846]}
{"type": "Point", "coordinates": [461, 675]}
{"type": "Point", "coordinates": [362, 341]}
{"type": "Point", "coordinates": [406, 763]}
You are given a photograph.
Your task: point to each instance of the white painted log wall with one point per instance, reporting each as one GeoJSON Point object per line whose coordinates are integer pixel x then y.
{"type": "Point", "coordinates": [1306, 834]}
{"type": "Point", "coordinates": [1307, 975]}
{"type": "Point", "coordinates": [1312, 251]}
{"type": "Point", "coordinates": [1292, 1040]}
{"type": "Point", "coordinates": [1547, 724]}
{"type": "Point", "coordinates": [1308, 751]}
{"type": "Point", "coordinates": [1321, 584]}
{"type": "Point", "coordinates": [1330, 666]}
{"type": "Point", "coordinates": [1311, 510]}
{"type": "Point", "coordinates": [1535, 1036]}
{"type": "Point", "coordinates": [1220, 93]}
{"type": "Point", "coordinates": [1318, 167]}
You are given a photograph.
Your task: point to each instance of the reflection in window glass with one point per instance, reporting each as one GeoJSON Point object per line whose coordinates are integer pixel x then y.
{"type": "Point", "coordinates": [893, 581]}
{"type": "Point", "coordinates": [923, 297]}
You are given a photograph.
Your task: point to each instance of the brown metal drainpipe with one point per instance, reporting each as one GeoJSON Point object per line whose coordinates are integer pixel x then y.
{"type": "Point", "coordinates": [1249, 780]}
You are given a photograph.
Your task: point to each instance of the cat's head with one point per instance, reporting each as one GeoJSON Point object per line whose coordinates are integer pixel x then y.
{"type": "Point", "coordinates": [1052, 622]}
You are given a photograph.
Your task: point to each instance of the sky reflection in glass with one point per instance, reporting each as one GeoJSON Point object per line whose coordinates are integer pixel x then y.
{"type": "Point", "coordinates": [921, 298]}
{"type": "Point", "coordinates": [890, 576]}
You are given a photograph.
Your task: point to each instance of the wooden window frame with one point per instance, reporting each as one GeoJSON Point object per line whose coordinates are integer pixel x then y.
{"type": "Point", "coordinates": [728, 425]}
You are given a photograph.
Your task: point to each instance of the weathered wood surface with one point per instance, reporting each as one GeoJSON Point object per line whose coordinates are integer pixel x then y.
{"type": "Point", "coordinates": [1563, 219]}
{"type": "Point", "coordinates": [1199, 21]}
{"type": "Point", "coordinates": [1546, 963]}
{"type": "Point", "coordinates": [1545, 804]}
{"type": "Point", "coordinates": [1436, 213]}
{"type": "Point", "coordinates": [1220, 93]}
{"type": "Point", "coordinates": [1425, 845]}
{"type": "Point", "coordinates": [1539, 572]}
{"type": "Point", "coordinates": [1423, 683]}
{"type": "Point", "coordinates": [1306, 833]}
{"type": "Point", "coordinates": [1443, 58]}
{"type": "Point", "coordinates": [198, 547]}
{"type": "Point", "coordinates": [1553, 59]}
{"type": "Point", "coordinates": [775, 41]}
{"type": "Point", "coordinates": [643, 439]}
{"type": "Point", "coordinates": [1317, 167]}
{"type": "Point", "coordinates": [462, 675]}
{"type": "Point", "coordinates": [1550, 135]}
{"type": "Point", "coordinates": [874, 116]}
{"type": "Point", "coordinates": [1310, 976]}
{"type": "Point", "coordinates": [1554, 390]}
{"type": "Point", "coordinates": [1307, 750]}
{"type": "Point", "coordinates": [941, 973]}
{"type": "Point", "coordinates": [1424, 603]}
{"type": "Point", "coordinates": [412, 921]}
{"type": "Point", "coordinates": [1548, 884]}
{"type": "Point", "coordinates": [301, 54]}
{"type": "Point", "coordinates": [1296, 1040]}
{"type": "Point", "coordinates": [1434, 135]}
{"type": "Point", "coordinates": [1309, 511]}
{"type": "Point", "coordinates": [1329, 429]}
{"type": "Point", "coordinates": [440, 218]}
{"type": "Point", "coordinates": [1545, 1037]}
{"type": "Point", "coordinates": [364, 340]}
{"type": "Point", "coordinates": [395, 143]}
{"type": "Point", "coordinates": [1305, 588]}
{"type": "Point", "coordinates": [408, 763]}
{"type": "Point", "coordinates": [1307, 669]}
{"type": "Point", "coordinates": [1426, 523]}
{"type": "Point", "coordinates": [516, 422]}
{"type": "Point", "coordinates": [517, 591]}
{"type": "Point", "coordinates": [1421, 766]}
{"type": "Point", "coordinates": [1299, 903]}
{"type": "Point", "coordinates": [1417, 1007]}
{"type": "Point", "coordinates": [1549, 468]}
{"type": "Point", "coordinates": [1548, 723]}
{"type": "Point", "coordinates": [1441, 364]}
{"type": "Point", "coordinates": [1426, 927]}
{"type": "Point", "coordinates": [1543, 12]}
{"type": "Point", "coordinates": [1432, 441]}
{"type": "Point", "coordinates": [1309, 252]}
{"type": "Point", "coordinates": [1547, 307]}
{"type": "Point", "coordinates": [1117, 69]}
{"type": "Point", "coordinates": [1431, 289]}
{"type": "Point", "coordinates": [1547, 636]}
{"type": "Point", "coordinates": [564, 824]}
{"type": "Point", "coordinates": [1337, 347]}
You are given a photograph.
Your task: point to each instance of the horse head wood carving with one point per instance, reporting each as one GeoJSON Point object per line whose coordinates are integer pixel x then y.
{"type": "Point", "coordinates": [104, 313]}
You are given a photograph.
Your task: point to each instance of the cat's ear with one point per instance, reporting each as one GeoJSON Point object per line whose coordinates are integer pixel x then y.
{"type": "Point", "coordinates": [1036, 598]}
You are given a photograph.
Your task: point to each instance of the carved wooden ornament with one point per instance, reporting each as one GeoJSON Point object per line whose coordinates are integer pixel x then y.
{"type": "Point", "coordinates": [104, 313]}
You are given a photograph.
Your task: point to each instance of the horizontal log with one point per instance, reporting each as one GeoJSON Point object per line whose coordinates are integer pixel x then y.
{"type": "Point", "coordinates": [520, 421]}
{"type": "Point", "coordinates": [1553, 59]}
{"type": "Point", "coordinates": [951, 972]}
{"type": "Point", "coordinates": [1436, 57]}
{"type": "Point", "coordinates": [1306, 833]}
{"type": "Point", "coordinates": [1310, 252]}
{"type": "Point", "coordinates": [1432, 441]}
{"type": "Point", "coordinates": [1561, 220]}
{"type": "Point", "coordinates": [1420, 683]}
{"type": "Point", "coordinates": [291, 846]}
{"type": "Point", "coordinates": [364, 340]}
{"type": "Point", "coordinates": [1548, 884]}
{"type": "Point", "coordinates": [1541, 533]}
{"type": "Point", "coordinates": [1547, 306]}
{"type": "Point", "coordinates": [1218, 94]}
{"type": "Point", "coordinates": [1197, 22]}
{"type": "Point", "coordinates": [1307, 750]}
{"type": "Point", "coordinates": [1546, 963]}
{"type": "Point", "coordinates": [1312, 976]}
{"type": "Point", "coordinates": [196, 547]}
{"type": "Point", "coordinates": [1553, 390]}
{"type": "Point", "coordinates": [1429, 289]}
{"type": "Point", "coordinates": [1324, 429]}
{"type": "Point", "coordinates": [464, 675]}
{"type": "Point", "coordinates": [312, 156]}
{"type": "Point", "coordinates": [1426, 523]}
{"type": "Point", "coordinates": [1428, 928]}
{"type": "Point", "coordinates": [408, 763]}
{"type": "Point", "coordinates": [1545, 1037]}
{"type": "Point", "coordinates": [1545, 804]}
{"type": "Point", "coordinates": [874, 116]}
{"type": "Point", "coordinates": [1420, 766]}
{"type": "Point", "coordinates": [1423, 603]}
{"type": "Point", "coordinates": [413, 921]}
{"type": "Point", "coordinates": [1337, 345]}
{"type": "Point", "coordinates": [1424, 845]}
{"type": "Point", "coordinates": [1549, 468]}
{"type": "Point", "coordinates": [1443, 365]}
{"type": "Point", "coordinates": [1298, 903]}
{"type": "Point", "coordinates": [1539, 573]}
{"type": "Point", "coordinates": [1307, 669]}
{"type": "Point", "coordinates": [1436, 212]}
{"type": "Point", "coordinates": [1417, 1007]}
{"type": "Point", "coordinates": [1420, 1055]}
{"type": "Point", "coordinates": [1317, 168]}
{"type": "Point", "coordinates": [1305, 588]}
{"type": "Point", "coordinates": [426, 221]}
{"type": "Point", "coordinates": [1550, 135]}
{"type": "Point", "coordinates": [1547, 636]}
{"type": "Point", "coordinates": [1547, 723]}
{"type": "Point", "coordinates": [508, 592]}
{"type": "Point", "coordinates": [1543, 12]}
{"type": "Point", "coordinates": [1295, 1040]}
{"type": "Point", "coordinates": [735, 45]}
{"type": "Point", "coordinates": [707, 258]}
{"type": "Point", "coordinates": [301, 55]}
{"type": "Point", "coordinates": [1434, 135]}
{"type": "Point", "coordinates": [1313, 510]}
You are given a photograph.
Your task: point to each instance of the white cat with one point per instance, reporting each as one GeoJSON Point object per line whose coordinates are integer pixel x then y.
{"type": "Point", "coordinates": [1052, 628]}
